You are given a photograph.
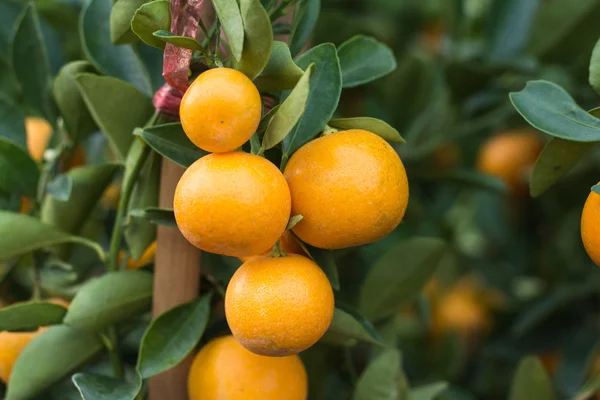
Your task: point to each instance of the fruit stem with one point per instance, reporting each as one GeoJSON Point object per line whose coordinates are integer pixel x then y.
{"type": "Point", "coordinates": [277, 252]}
{"type": "Point", "coordinates": [328, 130]}
{"type": "Point", "coordinates": [112, 345]}
{"type": "Point", "coordinates": [38, 260]}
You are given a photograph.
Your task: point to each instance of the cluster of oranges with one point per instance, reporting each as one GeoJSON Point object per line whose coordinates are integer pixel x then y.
{"type": "Point", "coordinates": [350, 188]}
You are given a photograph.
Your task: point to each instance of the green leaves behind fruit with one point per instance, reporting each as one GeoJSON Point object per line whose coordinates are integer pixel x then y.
{"type": "Point", "coordinates": [121, 14]}
{"type": "Point", "coordinates": [289, 113]}
{"type": "Point", "coordinates": [429, 391]}
{"type": "Point", "coordinates": [100, 387]}
{"type": "Point", "coordinates": [20, 174]}
{"type": "Point", "coordinates": [399, 275]}
{"type": "Point", "coordinates": [374, 125]}
{"type": "Point", "coordinates": [48, 358]}
{"type": "Point", "coordinates": [117, 107]}
{"type": "Point", "coordinates": [531, 381]}
{"type": "Point", "coordinates": [170, 141]}
{"type": "Point", "coordinates": [258, 38]}
{"type": "Point", "coordinates": [160, 216]}
{"type": "Point", "coordinates": [185, 42]}
{"type": "Point", "coordinates": [551, 109]}
{"type": "Point", "coordinates": [594, 77]}
{"type": "Point", "coordinates": [230, 17]}
{"type": "Point", "coordinates": [323, 97]}
{"type": "Point", "coordinates": [60, 187]}
{"type": "Point", "coordinates": [30, 315]}
{"type": "Point", "coordinates": [121, 62]}
{"type": "Point", "coordinates": [348, 326]}
{"type": "Point", "coordinates": [383, 379]}
{"type": "Point", "coordinates": [280, 73]}
{"type": "Point", "coordinates": [109, 299]}
{"type": "Point", "coordinates": [364, 59]}
{"type": "Point", "coordinates": [22, 234]}
{"type": "Point", "coordinates": [325, 260]}
{"type": "Point", "coordinates": [12, 123]}
{"type": "Point", "coordinates": [78, 121]}
{"type": "Point", "coordinates": [305, 18]}
{"type": "Point", "coordinates": [172, 336]}
{"type": "Point", "coordinates": [149, 18]}
{"type": "Point", "coordinates": [31, 65]}
{"type": "Point", "coordinates": [508, 31]}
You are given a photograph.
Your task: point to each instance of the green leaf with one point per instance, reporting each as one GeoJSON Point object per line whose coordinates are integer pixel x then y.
{"type": "Point", "coordinates": [508, 31]}
{"type": "Point", "coordinates": [325, 260]}
{"type": "Point", "coordinates": [60, 187]}
{"type": "Point", "coordinates": [399, 275]}
{"type": "Point", "coordinates": [121, 14]}
{"type": "Point", "coordinates": [596, 189]}
{"type": "Point", "coordinates": [258, 38]}
{"type": "Point", "coordinates": [289, 113]}
{"type": "Point", "coordinates": [160, 216]}
{"type": "Point", "coordinates": [594, 77]}
{"type": "Point", "coordinates": [349, 326]}
{"type": "Point", "coordinates": [31, 65]}
{"type": "Point", "coordinates": [304, 21]}
{"type": "Point", "coordinates": [149, 18]}
{"type": "Point", "coordinates": [383, 379]}
{"type": "Point", "coordinates": [21, 234]}
{"type": "Point", "coordinates": [466, 178]}
{"type": "Point", "coordinates": [170, 141]}
{"type": "Point", "coordinates": [185, 42]}
{"type": "Point", "coordinates": [323, 98]}
{"type": "Point", "coordinates": [531, 381]}
{"type": "Point", "coordinates": [364, 59]}
{"type": "Point", "coordinates": [109, 299]}
{"type": "Point", "coordinates": [19, 173]}
{"type": "Point", "coordinates": [118, 61]}
{"type": "Point", "coordinates": [78, 121]}
{"type": "Point", "coordinates": [232, 24]}
{"type": "Point", "coordinates": [30, 315]}
{"type": "Point", "coordinates": [293, 221]}
{"type": "Point", "coordinates": [376, 126]}
{"type": "Point", "coordinates": [280, 73]}
{"type": "Point", "coordinates": [100, 387]}
{"type": "Point", "coordinates": [48, 358]}
{"type": "Point", "coordinates": [551, 109]}
{"type": "Point", "coordinates": [12, 123]}
{"type": "Point", "coordinates": [430, 391]}
{"type": "Point", "coordinates": [172, 336]}
{"type": "Point", "coordinates": [117, 107]}
{"type": "Point", "coordinates": [9, 17]}
{"type": "Point", "coordinates": [589, 388]}
{"type": "Point", "coordinates": [140, 233]}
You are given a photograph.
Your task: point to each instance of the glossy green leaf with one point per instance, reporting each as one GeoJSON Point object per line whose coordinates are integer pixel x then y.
{"type": "Point", "coordinates": [170, 141]}
{"type": "Point", "coordinates": [117, 107]}
{"type": "Point", "coordinates": [430, 391]}
{"type": "Point", "coordinates": [266, 119]}
{"type": "Point", "coordinates": [30, 315]}
{"type": "Point", "coordinates": [149, 18]}
{"type": "Point", "coordinates": [100, 387]}
{"type": "Point", "coordinates": [289, 112]}
{"type": "Point", "coordinates": [594, 77]}
{"type": "Point", "coordinates": [596, 188]}
{"type": "Point", "coordinates": [551, 109]}
{"type": "Point", "coordinates": [22, 234]}
{"type": "Point", "coordinates": [349, 326]}
{"type": "Point", "coordinates": [399, 275]}
{"type": "Point", "coordinates": [364, 59]}
{"type": "Point", "coordinates": [78, 121]}
{"type": "Point", "coordinates": [531, 381]}
{"type": "Point", "coordinates": [12, 123]}
{"type": "Point", "coordinates": [466, 178]}
{"type": "Point", "coordinates": [172, 336]}
{"type": "Point", "coordinates": [160, 216]}
{"type": "Point", "coordinates": [258, 38]}
{"type": "Point", "coordinates": [60, 187]}
{"type": "Point", "coordinates": [376, 126]}
{"type": "Point", "coordinates": [109, 299]}
{"type": "Point", "coordinates": [232, 24]}
{"type": "Point", "coordinates": [323, 98]}
{"type": "Point", "coordinates": [118, 61]}
{"type": "Point", "coordinates": [280, 73]}
{"type": "Point", "coordinates": [31, 65]}
{"type": "Point", "coordinates": [305, 18]}
{"type": "Point", "coordinates": [179, 41]}
{"type": "Point", "coordinates": [19, 173]}
{"type": "Point", "coordinates": [383, 379]}
{"type": "Point", "coordinates": [508, 31]}
{"type": "Point", "coordinates": [121, 14]}
{"type": "Point", "coordinates": [50, 357]}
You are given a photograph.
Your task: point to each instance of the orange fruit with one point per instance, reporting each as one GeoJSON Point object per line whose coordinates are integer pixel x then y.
{"type": "Point", "coordinates": [236, 204]}
{"type": "Point", "coordinates": [223, 369]}
{"type": "Point", "coordinates": [350, 187]}
{"type": "Point", "coordinates": [112, 195]}
{"type": "Point", "coordinates": [277, 306]}
{"type": "Point", "coordinates": [26, 205]}
{"type": "Point", "coordinates": [146, 258]}
{"type": "Point", "coordinates": [287, 243]}
{"type": "Point", "coordinates": [510, 156]}
{"type": "Point", "coordinates": [590, 226]}
{"type": "Point", "coordinates": [38, 135]}
{"type": "Point", "coordinates": [220, 110]}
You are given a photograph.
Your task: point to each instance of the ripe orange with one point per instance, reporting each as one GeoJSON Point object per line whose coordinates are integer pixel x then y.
{"type": "Point", "coordinates": [112, 195]}
{"type": "Point", "coordinates": [220, 110]}
{"type": "Point", "coordinates": [237, 204]}
{"type": "Point", "coordinates": [350, 187]}
{"type": "Point", "coordinates": [38, 135]}
{"type": "Point", "coordinates": [510, 157]}
{"type": "Point", "coordinates": [287, 243]}
{"type": "Point", "coordinates": [223, 369]}
{"type": "Point", "coordinates": [590, 226]}
{"type": "Point", "coordinates": [277, 306]}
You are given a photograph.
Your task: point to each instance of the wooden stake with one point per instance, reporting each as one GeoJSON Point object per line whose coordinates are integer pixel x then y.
{"type": "Point", "coordinates": [176, 281]}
